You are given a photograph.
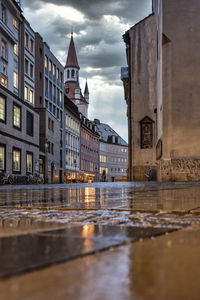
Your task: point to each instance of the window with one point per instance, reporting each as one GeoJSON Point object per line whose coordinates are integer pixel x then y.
{"type": "Point", "coordinates": [31, 70]}
{"type": "Point", "coordinates": [60, 99]}
{"type": "Point", "coordinates": [31, 98]}
{"type": "Point", "coordinates": [67, 73]}
{"type": "Point", "coordinates": [46, 62]}
{"type": "Point", "coordinates": [15, 22]}
{"type": "Point", "coordinates": [54, 70]}
{"type": "Point", "coordinates": [2, 157]}
{"type": "Point", "coordinates": [26, 40]}
{"type": "Point", "coordinates": [103, 158]}
{"type": "Point", "coordinates": [16, 49]}
{"type": "Point", "coordinates": [15, 80]}
{"type": "Point", "coordinates": [2, 109]}
{"type": "Point", "coordinates": [3, 13]}
{"type": "Point", "coordinates": [29, 123]}
{"type": "Point", "coordinates": [3, 49]}
{"type": "Point", "coordinates": [73, 73]}
{"type": "Point", "coordinates": [31, 45]}
{"type": "Point", "coordinates": [29, 162]}
{"type": "Point", "coordinates": [26, 66]}
{"type": "Point", "coordinates": [61, 76]}
{"type": "Point", "coordinates": [4, 81]}
{"type": "Point", "coordinates": [58, 74]}
{"type": "Point", "coordinates": [16, 160]}
{"type": "Point", "coordinates": [26, 93]}
{"type": "Point", "coordinates": [17, 116]}
{"type": "Point", "coordinates": [50, 66]}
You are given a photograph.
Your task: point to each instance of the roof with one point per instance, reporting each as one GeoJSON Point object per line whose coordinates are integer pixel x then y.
{"type": "Point", "coordinates": [69, 105]}
{"type": "Point", "coordinates": [108, 135]}
{"type": "Point", "coordinates": [72, 60]}
{"type": "Point", "coordinates": [86, 88]}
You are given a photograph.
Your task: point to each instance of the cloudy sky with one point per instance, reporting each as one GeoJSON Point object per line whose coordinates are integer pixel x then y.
{"type": "Point", "coordinates": [98, 26]}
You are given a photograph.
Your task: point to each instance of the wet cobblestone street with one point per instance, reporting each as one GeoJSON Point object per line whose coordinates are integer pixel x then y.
{"type": "Point", "coordinates": [46, 225]}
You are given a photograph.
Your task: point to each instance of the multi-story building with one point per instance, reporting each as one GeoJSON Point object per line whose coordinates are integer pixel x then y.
{"type": "Point", "coordinates": [19, 131]}
{"type": "Point", "coordinates": [89, 151]}
{"type": "Point", "coordinates": [162, 92]}
{"type": "Point", "coordinates": [113, 154]}
{"type": "Point", "coordinates": [50, 105]}
{"type": "Point", "coordinates": [72, 141]}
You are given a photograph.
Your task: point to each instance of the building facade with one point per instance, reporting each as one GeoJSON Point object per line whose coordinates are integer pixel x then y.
{"type": "Point", "coordinates": [50, 105]}
{"type": "Point", "coordinates": [113, 154]}
{"type": "Point", "coordinates": [19, 130]}
{"type": "Point", "coordinates": [162, 92]}
{"type": "Point", "coordinates": [72, 141]}
{"type": "Point", "coordinates": [89, 151]}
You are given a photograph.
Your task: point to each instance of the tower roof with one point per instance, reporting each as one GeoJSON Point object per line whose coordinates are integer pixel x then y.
{"type": "Point", "coordinates": [86, 88]}
{"type": "Point", "coordinates": [72, 60]}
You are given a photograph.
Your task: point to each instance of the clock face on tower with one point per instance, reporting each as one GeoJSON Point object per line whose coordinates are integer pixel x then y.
{"type": "Point", "coordinates": [67, 89]}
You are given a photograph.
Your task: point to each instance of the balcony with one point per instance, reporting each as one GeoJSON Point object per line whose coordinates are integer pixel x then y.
{"type": "Point", "coordinates": [124, 73]}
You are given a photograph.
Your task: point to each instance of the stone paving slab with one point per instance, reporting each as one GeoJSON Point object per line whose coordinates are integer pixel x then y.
{"type": "Point", "coordinates": [28, 252]}
{"type": "Point", "coordinates": [161, 268]}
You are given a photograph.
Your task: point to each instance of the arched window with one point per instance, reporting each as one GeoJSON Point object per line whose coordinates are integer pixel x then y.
{"type": "Point", "coordinates": [67, 73]}
{"type": "Point", "coordinates": [73, 74]}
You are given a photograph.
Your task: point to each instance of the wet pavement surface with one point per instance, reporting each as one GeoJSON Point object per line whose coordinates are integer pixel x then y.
{"type": "Point", "coordinates": [28, 252]}
{"type": "Point", "coordinates": [49, 224]}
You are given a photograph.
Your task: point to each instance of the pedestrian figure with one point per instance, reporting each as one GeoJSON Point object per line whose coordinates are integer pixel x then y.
{"type": "Point", "coordinates": [149, 174]}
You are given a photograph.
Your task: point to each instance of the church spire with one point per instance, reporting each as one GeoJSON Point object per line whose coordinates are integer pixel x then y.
{"type": "Point", "coordinates": [86, 92]}
{"type": "Point", "coordinates": [72, 60]}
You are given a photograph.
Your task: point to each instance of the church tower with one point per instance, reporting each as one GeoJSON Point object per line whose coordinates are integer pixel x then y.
{"type": "Point", "coordinates": [71, 80]}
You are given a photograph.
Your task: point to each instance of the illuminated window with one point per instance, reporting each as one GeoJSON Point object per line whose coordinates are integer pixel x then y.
{"type": "Point", "coordinates": [16, 116]}
{"type": "Point", "coordinates": [46, 62]}
{"type": "Point", "coordinates": [54, 70]}
{"type": "Point", "coordinates": [2, 109]}
{"type": "Point", "coordinates": [15, 22]}
{"type": "Point", "coordinates": [2, 157]}
{"type": "Point", "coordinates": [3, 49]}
{"type": "Point", "coordinates": [15, 80]}
{"type": "Point", "coordinates": [29, 162]}
{"type": "Point", "coordinates": [103, 158]}
{"type": "Point", "coordinates": [16, 49]}
{"type": "Point", "coordinates": [4, 81]}
{"type": "Point", "coordinates": [50, 66]}
{"type": "Point", "coordinates": [26, 93]}
{"type": "Point", "coordinates": [16, 160]}
{"type": "Point", "coordinates": [31, 98]}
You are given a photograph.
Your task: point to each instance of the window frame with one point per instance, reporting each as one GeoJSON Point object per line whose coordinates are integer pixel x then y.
{"type": "Point", "coordinates": [20, 163]}
{"type": "Point", "coordinates": [27, 132]}
{"type": "Point", "coordinates": [4, 161]}
{"type": "Point", "coordinates": [17, 83]}
{"type": "Point", "coordinates": [29, 153]}
{"type": "Point", "coordinates": [20, 108]}
{"type": "Point", "coordinates": [5, 109]}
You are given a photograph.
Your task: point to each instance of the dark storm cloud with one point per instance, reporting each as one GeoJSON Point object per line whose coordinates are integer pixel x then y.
{"type": "Point", "coordinates": [94, 9]}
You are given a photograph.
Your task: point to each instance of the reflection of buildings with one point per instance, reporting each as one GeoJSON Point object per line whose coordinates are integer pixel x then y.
{"type": "Point", "coordinates": [50, 105]}
{"type": "Point", "coordinates": [72, 141]}
{"type": "Point", "coordinates": [113, 155]}
{"type": "Point", "coordinates": [162, 92]}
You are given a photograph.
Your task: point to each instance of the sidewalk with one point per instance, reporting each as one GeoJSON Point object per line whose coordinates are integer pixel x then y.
{"type": "Point", "coordinates": [165, 267]}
